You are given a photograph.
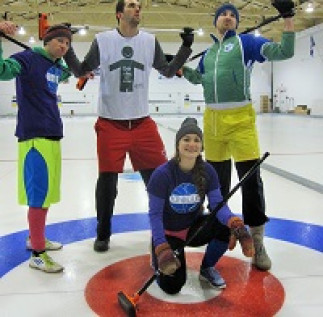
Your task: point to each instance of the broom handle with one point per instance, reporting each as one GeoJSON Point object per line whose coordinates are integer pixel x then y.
{"type": "Point", "coordinates": [9, 38]}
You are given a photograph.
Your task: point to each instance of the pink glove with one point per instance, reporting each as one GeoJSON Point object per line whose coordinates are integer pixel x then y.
{"type": "Point", "coordinates": [168, 263]}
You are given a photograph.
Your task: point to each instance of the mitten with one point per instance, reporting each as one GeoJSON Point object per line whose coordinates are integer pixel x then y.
{"type": "Point", "coordinates": [187, 36]}
{"type": "Point", "coordinates": [167, 261]}
{"type": "Point", "coordinates": [239, 232]}
{"type": "Point", "coordinates": [284, 7]}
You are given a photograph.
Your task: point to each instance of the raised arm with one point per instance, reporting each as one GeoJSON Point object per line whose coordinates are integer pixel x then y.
{"type": "Point", "coordinates": [9, 68]}
{"type": "Point", "coordinates": [90, 62]}
{"type": "Point", "coordinates": [169, 69]}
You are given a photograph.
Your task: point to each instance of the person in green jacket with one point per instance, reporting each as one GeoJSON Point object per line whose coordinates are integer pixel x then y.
{"type": "Point", "coordinates": [229, 118]}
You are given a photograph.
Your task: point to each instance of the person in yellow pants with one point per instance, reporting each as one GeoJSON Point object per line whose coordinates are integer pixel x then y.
{"type": "Point", "coordinates": [229, 119]}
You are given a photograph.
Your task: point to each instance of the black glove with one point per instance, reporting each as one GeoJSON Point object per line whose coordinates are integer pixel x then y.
{"type": "Point", "coordinates": [187, 36]}
{"type": "Point", "coordinates": [285, 7]}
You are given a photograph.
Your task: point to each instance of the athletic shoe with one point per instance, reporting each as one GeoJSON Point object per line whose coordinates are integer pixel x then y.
{"type": "Point", "coordinates": [49, 245]}
{"type": "Point", "coordinates": [45, 263]}
{"type": "Point", "coordinates": [211, 275]}
{"type": "Point", "coordinates": [101, 245]}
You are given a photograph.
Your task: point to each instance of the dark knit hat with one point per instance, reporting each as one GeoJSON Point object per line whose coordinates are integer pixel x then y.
{"type": "Point", "coordinates": [58, 30]}
{"type": "Point", "coordinates": [223, 8]}
{"type": "Point", "coordinates": [188, 126]}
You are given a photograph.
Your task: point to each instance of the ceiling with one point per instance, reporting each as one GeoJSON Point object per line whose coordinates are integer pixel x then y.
{"type": "Point", "coordinates": [165, 18]}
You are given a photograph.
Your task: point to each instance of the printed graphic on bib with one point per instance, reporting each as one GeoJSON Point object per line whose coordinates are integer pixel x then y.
{"type": "Point", "coordinates": [127, 69]}
{"type": "Point", "coordinates": [184, 198]}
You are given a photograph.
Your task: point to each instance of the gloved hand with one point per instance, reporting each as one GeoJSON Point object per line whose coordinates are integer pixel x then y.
{"type": "Point", "coordinates": [8, 28]}
{"type": "Point", "coordinates": [187, 36]}
{"type": "Point", "coordinates": [239, 232]}
{"type": "Point", "coordinates": [169, 58]}
{"type": "Point", "coordinates": [168, 263]}
{"type": "Point", "coordinates": [284, 7]}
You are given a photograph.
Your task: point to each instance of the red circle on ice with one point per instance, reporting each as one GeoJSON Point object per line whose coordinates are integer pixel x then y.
{"type": "Point", "coordinates": [249, 292]}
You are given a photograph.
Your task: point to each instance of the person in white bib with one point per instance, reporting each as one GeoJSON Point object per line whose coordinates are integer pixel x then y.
{"type": "Point", "coordinates": [126, 56]}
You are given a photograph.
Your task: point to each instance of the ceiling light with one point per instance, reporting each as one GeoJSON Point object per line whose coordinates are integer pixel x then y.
{"type": "Point", "coordinates": [309, 8]}
{"type": "Point", "coordinates": [82, 31]}
{"type": "Point", "coordinates": [200, 32]}
{"type": "Point", "coordinates": [31, 40]}
{"type": "Point", "coordinates": [21, 30]}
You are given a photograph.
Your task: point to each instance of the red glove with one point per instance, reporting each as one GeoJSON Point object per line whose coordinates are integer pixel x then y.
{"type": "Point", "coordinates": [239, 232]}
{"type": "Point", "coordinates": [168, 263]}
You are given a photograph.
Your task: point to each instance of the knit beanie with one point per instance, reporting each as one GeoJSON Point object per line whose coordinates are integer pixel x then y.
{"type": "Point", "coordinates": [223, 8]}
{"type": "Point", "coordinates": [188, 126]}
{"type": "Point", "coordinates": [58, 30]}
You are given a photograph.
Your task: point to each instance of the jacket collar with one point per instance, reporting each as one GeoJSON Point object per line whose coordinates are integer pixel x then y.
{"type": "Point", "coordinates": [44, 53]}
{"type": "Point", "coordinates": [227, 35]}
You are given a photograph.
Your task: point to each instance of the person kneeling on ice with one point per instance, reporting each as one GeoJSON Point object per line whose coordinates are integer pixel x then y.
{"type": "Point", "coordinates": [177, 191]}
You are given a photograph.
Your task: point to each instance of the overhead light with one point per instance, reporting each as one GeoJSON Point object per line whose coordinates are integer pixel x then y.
{"type": "Point", "coordinates": [309, 8]}
{"type": "Point", "coordinates": [82, 31]}
{"type": "Point", "coordinates": [200, 32]}
{"type": "Point", "coordinates": [21, 30]}
{"type": "Point", "coordinates": [31, 40]}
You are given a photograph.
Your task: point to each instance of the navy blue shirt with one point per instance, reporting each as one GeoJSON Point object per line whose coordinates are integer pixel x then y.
{"type": "Point", "coordinates": [174, 202]}
{"type": "Point", "coordinates": [36, 89]}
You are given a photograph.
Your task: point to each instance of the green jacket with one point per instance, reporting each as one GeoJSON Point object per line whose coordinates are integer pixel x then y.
{"type": "Point", "coordinates": [225, 68]}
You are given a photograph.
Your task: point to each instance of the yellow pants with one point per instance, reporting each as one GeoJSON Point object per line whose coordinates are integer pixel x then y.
{"type": "Point", "coordinates": [231, 133]}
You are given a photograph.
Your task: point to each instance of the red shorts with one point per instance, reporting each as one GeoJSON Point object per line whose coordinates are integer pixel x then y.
{"type": "Point", "coordinates": [139, 138]}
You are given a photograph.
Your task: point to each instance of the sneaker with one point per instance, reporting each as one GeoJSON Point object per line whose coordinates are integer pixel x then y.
{"type": "Point", "coordinates": [261, 259]}
{"type": "Point", "coordinates": [211, 275]}
{"type": "Point", "coordinates": [49, 245]}
{"type": "Point", "coordinates": [101, 245]}
{"type": "Point", "coordinates": [45, 263]}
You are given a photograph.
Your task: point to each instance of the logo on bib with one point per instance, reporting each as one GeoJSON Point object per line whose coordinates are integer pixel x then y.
{"type": "Point", "coordinates": [184, 198]}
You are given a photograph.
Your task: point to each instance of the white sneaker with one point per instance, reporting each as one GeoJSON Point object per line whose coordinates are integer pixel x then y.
{"type": "Point", "coordinates": [45, 263]}
{"type": "Point", "coordinates": [49, 245]}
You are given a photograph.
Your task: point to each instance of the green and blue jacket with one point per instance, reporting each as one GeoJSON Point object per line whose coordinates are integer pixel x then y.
{"type": "Point", "coordinates": [225, 68]}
